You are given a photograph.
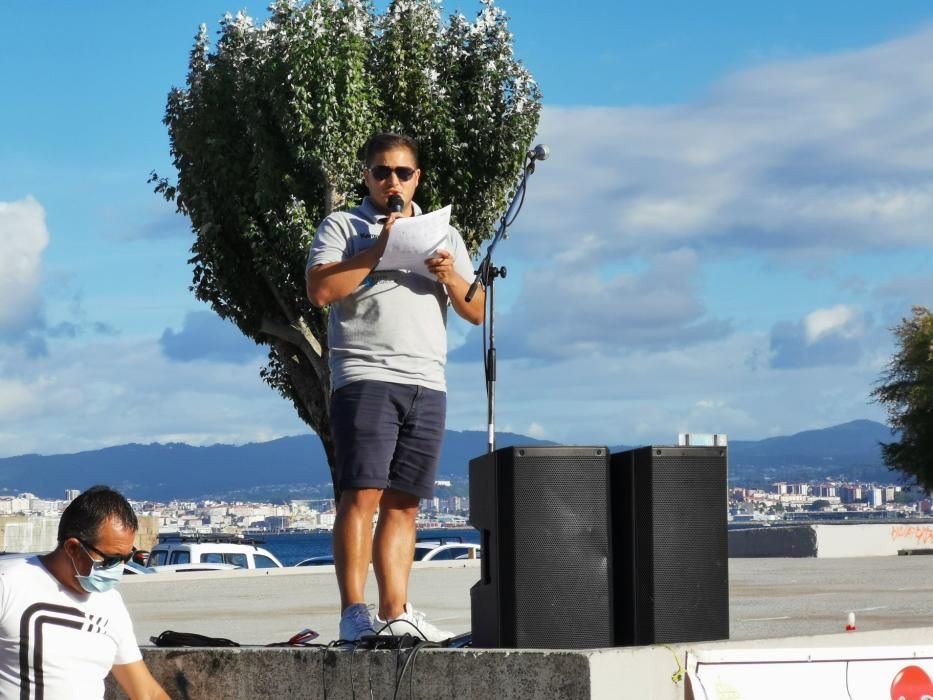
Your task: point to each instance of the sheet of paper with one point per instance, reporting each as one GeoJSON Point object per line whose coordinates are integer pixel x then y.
{"type": "Point", "coordinates": [414, 239]}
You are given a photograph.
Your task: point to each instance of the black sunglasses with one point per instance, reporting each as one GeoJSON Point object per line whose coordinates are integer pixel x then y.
{"type": "Point", "coordinates": [109, 560]}
{"type": "Point", "coordinates": [381, 172]}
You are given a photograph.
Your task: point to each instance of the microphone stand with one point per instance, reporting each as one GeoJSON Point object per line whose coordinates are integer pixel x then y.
{"type": "Point", "coordinates": [486, 274]}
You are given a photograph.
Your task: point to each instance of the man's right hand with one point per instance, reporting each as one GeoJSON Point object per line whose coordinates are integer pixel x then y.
{"type": "Point", "coordinates": [332, 282]}
{"type": "Point", "coordinates": [383, 240]}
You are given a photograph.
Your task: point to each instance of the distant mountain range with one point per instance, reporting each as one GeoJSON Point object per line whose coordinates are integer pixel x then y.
{"type": "Point", "coordinates": [296, 466]}
{"type": "Point", "coordinates": [851, 451]}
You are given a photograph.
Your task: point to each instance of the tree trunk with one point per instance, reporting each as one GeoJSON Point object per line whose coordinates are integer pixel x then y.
{"type": "Point", "coordinates": [312, 394]}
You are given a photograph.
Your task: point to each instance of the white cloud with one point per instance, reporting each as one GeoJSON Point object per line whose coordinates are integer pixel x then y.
{"type": "Point", "coordinates": [839, 320]}
{"type": "Point", "coordinates": [819, 171]}
{"type": "Point", "coordinates": [112, 391]}
{"type": "Point", "coordinates": [23, 238]}
{"type": "Point", "coordinates": [831, 336]}
{"type": "Point", "coordinates": [536, 430]}
{"type": "Point", "coordinates": [649, 397]}
{"type": "Point", "coordinates": [794, 157]}
{"type": "Point", "coordinates": [18, 399]}
{"type": "Point", "coordinates": [566, 311]}
{"type": "Point", "coordinates": [206, 336]}
{"type": "Point", "coordinates": [900, 293]}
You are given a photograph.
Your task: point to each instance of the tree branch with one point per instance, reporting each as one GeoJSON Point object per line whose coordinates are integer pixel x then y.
{"type": "Point", "coordinates": [302, 338]}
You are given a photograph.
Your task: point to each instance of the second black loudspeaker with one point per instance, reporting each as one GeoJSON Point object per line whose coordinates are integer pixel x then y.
{"type": "Point", "coordinates": [671, 545]}
{"type": "Point", "coordinates": [544, 522]}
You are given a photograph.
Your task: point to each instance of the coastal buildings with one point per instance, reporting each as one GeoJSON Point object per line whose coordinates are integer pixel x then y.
{"type": "Point", "coordinates": [857, 499]}
{"type": "Point", "coordinates": [29, 523]}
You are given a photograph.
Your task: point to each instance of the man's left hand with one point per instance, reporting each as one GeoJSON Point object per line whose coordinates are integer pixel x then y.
{"type": "Point", "coordinates": [441, 266]}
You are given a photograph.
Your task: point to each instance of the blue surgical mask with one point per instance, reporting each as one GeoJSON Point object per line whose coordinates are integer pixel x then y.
{"type": "Point", "coordinates": [99, 580]}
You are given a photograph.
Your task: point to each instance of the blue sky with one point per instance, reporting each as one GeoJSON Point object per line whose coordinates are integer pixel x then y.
{"type": "Point", "coordinates": [736, 210]}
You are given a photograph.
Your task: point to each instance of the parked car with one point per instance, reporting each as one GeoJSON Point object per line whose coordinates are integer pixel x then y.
{"type": "Point", "coordinates": [445, 549]}
{"type": "Point", "coordinates": [132, 568]}
{"type": "Point", "coordinates": [427, 549]}
{"type": "Point", "coordinates": [238, 552]}
{"type": "Point", "coordinates": [189, 568]}
{"type": "Point", "coordinates": [323, 560]}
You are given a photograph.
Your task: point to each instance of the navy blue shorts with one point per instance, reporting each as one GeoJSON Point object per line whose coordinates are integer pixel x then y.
{"type": "Point", "coordinates": [387, 435]}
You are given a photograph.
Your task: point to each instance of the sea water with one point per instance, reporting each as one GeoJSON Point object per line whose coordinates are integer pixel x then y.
{"type": "Point", "coordinates": [291, 549]}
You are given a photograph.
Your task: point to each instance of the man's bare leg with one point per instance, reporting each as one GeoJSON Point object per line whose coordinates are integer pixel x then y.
{"type": "Point", "coordinates": [353, 543]}
{"type": "Point", "coordinates": [393, 551]}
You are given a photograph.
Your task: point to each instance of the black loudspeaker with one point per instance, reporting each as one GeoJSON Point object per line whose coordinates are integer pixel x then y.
{"type": "Point", "coordinates": [671, 545]}
{"type": "Point", "coordinates": [545, 526]}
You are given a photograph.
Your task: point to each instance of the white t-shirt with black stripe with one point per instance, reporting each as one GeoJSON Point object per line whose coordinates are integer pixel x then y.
{"type": "Point", "coordinates": [55, 643]}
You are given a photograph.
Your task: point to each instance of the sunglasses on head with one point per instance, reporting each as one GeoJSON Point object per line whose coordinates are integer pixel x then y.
{"type": "Point", "coordinates": [109, 560]}
{"type": "Point", "coordinates": [381, 172]}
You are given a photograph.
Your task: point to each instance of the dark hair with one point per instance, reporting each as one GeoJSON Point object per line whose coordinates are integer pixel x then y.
{"type": "Point", "coordinates": [85, 514]}
{"type": "Point", "coordinates": [380, 143]}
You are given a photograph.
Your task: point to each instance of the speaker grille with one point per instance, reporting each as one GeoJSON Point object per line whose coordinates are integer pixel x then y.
{"type": "Point", "coordinates": [543, 514]}
{"type": "Point", "coordinates": [562, 591]}
{"type": "Point", "coordinates": [681, 546]}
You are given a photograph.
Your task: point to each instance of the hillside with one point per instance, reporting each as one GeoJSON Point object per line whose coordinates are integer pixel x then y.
{"type": "Point", "coordinates": [849, 451]}
{"type": "Point", "coordinates": [287, 467]}
{"type": "Point", "coordinates": [296, 467]}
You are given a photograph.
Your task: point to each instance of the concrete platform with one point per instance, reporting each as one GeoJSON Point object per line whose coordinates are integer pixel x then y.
{"type": "Point", "coordinates": [775, 604]}
{"type": "Point", "coordinates": [671, 672]}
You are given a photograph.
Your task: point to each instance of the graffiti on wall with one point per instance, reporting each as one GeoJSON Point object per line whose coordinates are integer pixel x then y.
{"type": "Point", "coordinates": [917, 534]}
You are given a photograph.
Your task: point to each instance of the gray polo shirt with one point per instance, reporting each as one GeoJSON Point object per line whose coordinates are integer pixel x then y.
{"type": "Point", "coordinates": [393, 327]}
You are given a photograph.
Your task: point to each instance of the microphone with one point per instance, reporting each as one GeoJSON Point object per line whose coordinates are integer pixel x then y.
{"type": "Point", "coordinates": [539, 152]}
{"type": "Point", "coordinates": [396, 203]}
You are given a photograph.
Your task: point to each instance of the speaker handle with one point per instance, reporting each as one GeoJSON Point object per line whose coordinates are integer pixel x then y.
{"type": "Point", "coordinates": [484, 554]}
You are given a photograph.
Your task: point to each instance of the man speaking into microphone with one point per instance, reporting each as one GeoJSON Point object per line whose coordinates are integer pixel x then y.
{"type": "Point", "coordinates": [388, 347]}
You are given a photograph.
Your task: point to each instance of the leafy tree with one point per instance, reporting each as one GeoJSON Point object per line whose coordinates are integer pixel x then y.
{"type": "Point", "coordinates": [819, 504]}
{"type": "Point", "coordinates": [906, 390]}
{"type": "Point", "coordinates": [907, 497]}
{"type": "Point", "coordinates": [264, 138]}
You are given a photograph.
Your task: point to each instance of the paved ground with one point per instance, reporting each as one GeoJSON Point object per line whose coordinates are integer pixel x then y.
{"type": "Point", "coordinates": [769, 598]}
{"type": "Point", "coordinates": [262, 607]}
{"type": "Point", "coordinates": [791, 597]}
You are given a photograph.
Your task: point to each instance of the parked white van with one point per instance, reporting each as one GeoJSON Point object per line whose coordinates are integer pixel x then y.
{"type": "Point", "coordinates": [241, 552]}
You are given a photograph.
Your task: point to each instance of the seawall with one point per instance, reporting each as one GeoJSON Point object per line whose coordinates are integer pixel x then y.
{"type": "Point", "coordinates": [833, 540]}
{"type": "Point", "coordinates": [25, 533]}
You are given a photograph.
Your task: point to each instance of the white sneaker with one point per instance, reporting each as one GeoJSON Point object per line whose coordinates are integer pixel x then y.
{"type": "Point", "coordinates": [355, 623]}
{"type": "Point", "coordinates": [411, 622]}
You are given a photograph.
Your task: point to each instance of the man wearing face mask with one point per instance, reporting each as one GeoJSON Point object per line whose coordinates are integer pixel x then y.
{"type": "Point", "coordinates": [63, 626]}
